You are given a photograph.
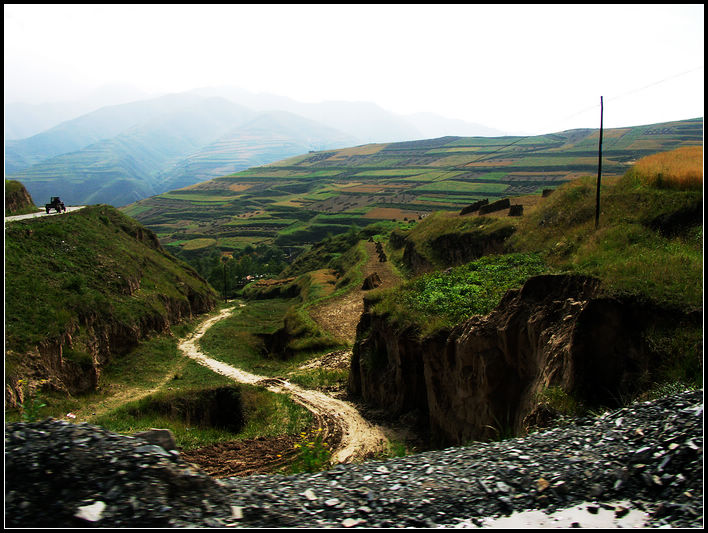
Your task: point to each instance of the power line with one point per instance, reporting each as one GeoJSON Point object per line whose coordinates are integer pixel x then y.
{"type": "Point", "coordinates": [592, 107]}
{"type": "Point", "coordinates": [656, 83]}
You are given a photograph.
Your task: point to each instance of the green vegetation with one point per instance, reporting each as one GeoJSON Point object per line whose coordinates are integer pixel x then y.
{"type": "Point", "coordinates": [313, 453]}
{"type": "Point", "coordinates": [145, 388]}
{"type": "Point", "coordinates": [639, 247]}
{"type": "Point", "coordinates": [95, 264]}
{"type": "Point", "coordinates": [300, 201]}
{"type": "Point", "coordinates": [443, 299]}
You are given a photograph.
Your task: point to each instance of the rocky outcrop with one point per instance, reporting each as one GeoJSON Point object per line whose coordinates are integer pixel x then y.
{"type": "Point", "coordinates": [17, 199]}
{"type": "Point", "coordinates": [480, 380]}
{"type": "Point", "coordinates": [504, 203]}
{"type": "Point", "coordinates": [473, 207]}
{"type": "Point", "coordinates": [371, 281]}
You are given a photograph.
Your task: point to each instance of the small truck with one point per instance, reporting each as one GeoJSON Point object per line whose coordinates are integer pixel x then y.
{"type": "Point", "coordinates": [55, 203]}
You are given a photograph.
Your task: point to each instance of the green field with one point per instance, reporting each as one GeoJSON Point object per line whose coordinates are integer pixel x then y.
{"type": "Point", "coordinates": [298, 200]}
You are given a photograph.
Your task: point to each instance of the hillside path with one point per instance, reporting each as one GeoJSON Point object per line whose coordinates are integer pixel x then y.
{"type": "Point", "coordinates": [337, 419]}
{"type": "Point", "coordinates": [42, 213]}
{"type": "Point", "coordinates": [341, 316]}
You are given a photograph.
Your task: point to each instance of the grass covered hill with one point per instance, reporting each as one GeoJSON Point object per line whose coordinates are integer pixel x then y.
{"type": "Point", "coordinates": [305, 198]}
{"type": "Point", "coordinates": [648, 247]}
{"type": "Point", "coordinates": [120, 154]}
{"type": "Point", "coordinates": [83, 286]}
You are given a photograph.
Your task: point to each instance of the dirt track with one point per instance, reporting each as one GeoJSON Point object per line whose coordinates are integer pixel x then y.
{"type": "Point", "coordinates": [338, 421]}
{"type": "Point", "coordinates": [340, 317]}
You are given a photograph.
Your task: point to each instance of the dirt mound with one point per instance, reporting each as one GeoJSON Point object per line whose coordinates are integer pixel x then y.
{"type": "Point", "coordinates": [262, 455]}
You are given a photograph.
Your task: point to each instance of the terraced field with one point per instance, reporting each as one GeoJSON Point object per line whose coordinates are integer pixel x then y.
{"type": "Point", "coordinates": [302, 199]}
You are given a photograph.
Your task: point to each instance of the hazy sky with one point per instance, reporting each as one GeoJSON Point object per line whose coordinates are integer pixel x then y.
{"type": "Point", "coordinates": [517, 68]}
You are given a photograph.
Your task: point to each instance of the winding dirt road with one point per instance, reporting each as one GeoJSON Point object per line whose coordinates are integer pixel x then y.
{"type": "Point", "coordinates": [357, 438]}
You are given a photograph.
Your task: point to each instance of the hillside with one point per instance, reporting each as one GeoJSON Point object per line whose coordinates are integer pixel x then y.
{"type": "Point", "coordinates": [303, 199]}
{"type": "Point", "coordinates": [508, 322]}
{"type": "Point", "coordinates": [120, 154]}
{"type": "Point", "coordinates": [83, 287]}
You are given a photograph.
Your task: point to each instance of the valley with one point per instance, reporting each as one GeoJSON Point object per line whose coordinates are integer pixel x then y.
{"type": "Point", "coordinates": [458, 319]}
{"type": "Point", "coordinates": [337, 423]}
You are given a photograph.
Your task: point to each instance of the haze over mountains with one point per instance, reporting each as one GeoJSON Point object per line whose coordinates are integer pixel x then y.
{"type": "Point", "coordinates": [121, 153]}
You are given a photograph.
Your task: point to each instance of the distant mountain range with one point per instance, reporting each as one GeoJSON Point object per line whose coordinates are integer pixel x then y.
{"type": "Point", "coordinates": [119, 154]}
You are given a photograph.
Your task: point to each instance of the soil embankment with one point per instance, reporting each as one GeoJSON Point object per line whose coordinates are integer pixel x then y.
{"type": "Point", "coordinates": [484, 378]}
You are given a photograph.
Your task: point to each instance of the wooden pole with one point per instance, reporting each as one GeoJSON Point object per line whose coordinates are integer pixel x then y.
{"type": "Point", "coordinates": [599, 173]}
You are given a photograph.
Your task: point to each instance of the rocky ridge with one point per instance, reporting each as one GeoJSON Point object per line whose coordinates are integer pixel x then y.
{"type": "Point", "coordinates": [59, 474]}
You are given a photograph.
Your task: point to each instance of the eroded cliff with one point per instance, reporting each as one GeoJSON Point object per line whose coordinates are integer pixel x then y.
{"type": "Point", "coordinates": [482, 379]}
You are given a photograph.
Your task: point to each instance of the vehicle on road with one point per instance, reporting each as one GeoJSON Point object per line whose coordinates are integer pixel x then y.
{"type": "Point", "coordinates": [55, 203]}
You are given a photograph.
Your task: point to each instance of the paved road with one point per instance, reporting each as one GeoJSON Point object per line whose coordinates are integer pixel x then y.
{"type": "Point", "coordinates": [43, 213]}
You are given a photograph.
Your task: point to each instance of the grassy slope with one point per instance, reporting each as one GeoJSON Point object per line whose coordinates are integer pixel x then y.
{"type": "Point", "coordinates": [640, 248]}
{"type": "Point", "coordinates": [303, 199]}
{"type": "Point", "coordinates": [61, 269]}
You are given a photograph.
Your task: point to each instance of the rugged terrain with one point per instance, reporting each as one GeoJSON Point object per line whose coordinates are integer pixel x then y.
{"type": "Point", "coordinates": [86, 286]}
{"type": "Point", "coordinates": [643, 462]}
{"type": "Point", "coordinates": [17, 199]}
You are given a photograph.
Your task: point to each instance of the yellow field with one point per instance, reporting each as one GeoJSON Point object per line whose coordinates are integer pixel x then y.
{"type": "Point", "coordinates": [678, 169]}
{"type": "Point", "coordinates": [197, 244]}
{"type": "Point", "coordinates": [240, 187]}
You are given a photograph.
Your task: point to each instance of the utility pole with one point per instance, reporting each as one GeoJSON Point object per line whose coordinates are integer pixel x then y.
{"type": "Point", "coordinates": [223, 264]}
{"type": "Point", "coordinates": [599, 173]}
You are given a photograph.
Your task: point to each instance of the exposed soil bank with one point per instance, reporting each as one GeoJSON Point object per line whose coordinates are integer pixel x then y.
{"type": "Point", "coordinates": [482, 379]}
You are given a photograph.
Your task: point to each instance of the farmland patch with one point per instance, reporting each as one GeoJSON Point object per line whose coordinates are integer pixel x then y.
{"type": "Point", "coordinates": [390, 213]}
{"type": "Point", "coordinates": [198, 244]}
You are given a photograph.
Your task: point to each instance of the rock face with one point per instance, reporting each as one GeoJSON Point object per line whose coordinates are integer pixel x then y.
{"type": "Point", "coordinates": [480, 380]}
{"type": "Point", "coordinates": [372, 281]}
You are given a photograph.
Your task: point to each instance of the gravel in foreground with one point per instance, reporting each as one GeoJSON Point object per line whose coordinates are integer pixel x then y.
{"type": "Point", "coordinates": [648, 456]}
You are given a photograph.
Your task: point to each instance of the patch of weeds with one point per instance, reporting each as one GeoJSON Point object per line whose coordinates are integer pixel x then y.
{"type": "Point", "coordinates": [556, 399]}
{"type": "Point", "coordinates": [314, 454]}
{"type": "Point", "coordinates": [445, 298]}
{"type": "Point", "coordinates": [32, 401]}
